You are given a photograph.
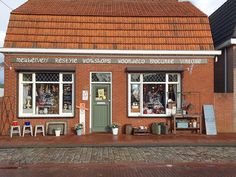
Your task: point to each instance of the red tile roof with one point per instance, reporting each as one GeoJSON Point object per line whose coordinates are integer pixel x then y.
{"type": "Point", "coordinates": [71, 29]}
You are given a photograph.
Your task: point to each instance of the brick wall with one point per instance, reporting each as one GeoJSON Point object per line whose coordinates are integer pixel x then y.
{"type": "Point", "coordinates": [223, 104]}
{"type": "Point", "coordinates": [200, 79]}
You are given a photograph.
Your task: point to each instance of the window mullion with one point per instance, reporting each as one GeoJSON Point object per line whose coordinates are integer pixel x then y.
{"type": "Point", "coordinates": [129, 94]}
{"type": "Point", "coordinates": [141, 94]}
{"type": "Point", "coordinates": [34, 96]}
{"type": "Point", "coordinates": [167, 89]}
{"type": "Point", "coordinates": [20, 107]}
{"type": "Point", "coordinates": [60, 94]}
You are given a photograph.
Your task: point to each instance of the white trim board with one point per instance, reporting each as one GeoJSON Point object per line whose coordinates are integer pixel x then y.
{"type": "Point", "coordinates": [109, 52]}
{"type": "Point", "coordinates": [227, 43]}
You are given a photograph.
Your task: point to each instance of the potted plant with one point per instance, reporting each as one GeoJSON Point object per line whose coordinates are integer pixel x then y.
{"type": "Point", "coordinates": [186, 107]}
{"type": "Point", "coordinates": [78, 128]}
{"type": "Point", "coordinates": [57, 131]}
{"type": "Point", "coordinates": [115, 128]}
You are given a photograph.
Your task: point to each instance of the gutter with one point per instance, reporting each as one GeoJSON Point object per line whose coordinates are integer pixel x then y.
{"type": "Point", "coordinates": [226, 76]}
{"type": "Point", "coordinates": [109, 52]}
{"type": "Point", "coordinates": [231, 41]}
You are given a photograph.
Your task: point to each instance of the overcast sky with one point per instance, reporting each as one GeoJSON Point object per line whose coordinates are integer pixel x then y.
{"type": "Point", "coordinates": [207, 6]}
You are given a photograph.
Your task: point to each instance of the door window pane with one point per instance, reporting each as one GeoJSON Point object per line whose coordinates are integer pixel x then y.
{"type": "Point", "coordinates": [101, 77]}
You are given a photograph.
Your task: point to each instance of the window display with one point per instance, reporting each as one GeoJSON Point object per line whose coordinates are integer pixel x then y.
{"type": "Point", "coordinates": [46, 95]}
{"type": "Point", "coordinates": [135, 98]}
{"type": "Point", "coordinates": [67, 98]}
{"type": "Point", "coordinates": [150, 94]}
{"type": "Point", "coordinates": [154, 99]}
{"type": "Point", "coordinates": [47, 99]}
{"type": "Point", "coordinates": [27, 95]}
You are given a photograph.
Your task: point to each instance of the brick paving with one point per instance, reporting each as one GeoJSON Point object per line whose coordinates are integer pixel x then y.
{"type": "Point", "coordinates": [118, 155]}
{"type": "Point", "coordinates": [102, 155]}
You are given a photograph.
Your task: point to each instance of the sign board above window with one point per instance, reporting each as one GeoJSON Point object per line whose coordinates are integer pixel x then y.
{"type": "Point", "coordinates": [109, 61]}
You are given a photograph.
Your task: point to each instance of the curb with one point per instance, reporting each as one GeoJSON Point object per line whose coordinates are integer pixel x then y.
{"type": "Point", "coordinates": [117, 145]}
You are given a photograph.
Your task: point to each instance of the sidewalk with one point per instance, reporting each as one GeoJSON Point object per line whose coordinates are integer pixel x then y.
{"type": "Point", "coordinates": [106, 140]}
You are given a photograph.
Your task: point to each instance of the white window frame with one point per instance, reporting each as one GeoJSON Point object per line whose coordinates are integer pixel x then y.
{"type": "Point", "coordinates": [34, 82]}
{"type": "Point", "coordinates": [141, 83]}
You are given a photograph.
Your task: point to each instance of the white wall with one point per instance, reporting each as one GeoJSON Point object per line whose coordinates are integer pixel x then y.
{"type": "Point", "coordinates": [1, 92]}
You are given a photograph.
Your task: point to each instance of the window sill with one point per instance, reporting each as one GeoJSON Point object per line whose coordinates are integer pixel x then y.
{"type": "Point", "coordinates": [44, 116]}
{"type": "Point", "coordinates": [150, 116]}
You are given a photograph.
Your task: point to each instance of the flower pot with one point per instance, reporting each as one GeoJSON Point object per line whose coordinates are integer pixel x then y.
{"type": "Point", "coordinates": [79, 132]}
{"type": "Point", "coordinates": [115, 131]}
{"type": "Point", "coordinates": [57, 132]}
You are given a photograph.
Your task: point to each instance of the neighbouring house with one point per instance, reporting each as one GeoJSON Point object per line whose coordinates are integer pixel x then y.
{"type": "Point", "coordinates": [126, 61]}
{"type": "Point", "coordinates": [223, 27]}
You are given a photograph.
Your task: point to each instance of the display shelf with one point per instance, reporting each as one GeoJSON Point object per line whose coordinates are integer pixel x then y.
{"type": "Point", "coordinates": [191, 122]}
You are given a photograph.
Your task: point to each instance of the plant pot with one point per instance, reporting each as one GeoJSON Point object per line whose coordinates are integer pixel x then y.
{"type": "Point", "coordinates": [79, 132]}
{"type": "Point", "coordinates": [115, 131]}
{"type": "Point", "coordinates": [128, 129]}
{"type": "Point", "coordinates": [57, 132]}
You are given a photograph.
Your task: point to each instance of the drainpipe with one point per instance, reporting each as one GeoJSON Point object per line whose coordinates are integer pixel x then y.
{"type": "Point", "coordinates": [226, 70]}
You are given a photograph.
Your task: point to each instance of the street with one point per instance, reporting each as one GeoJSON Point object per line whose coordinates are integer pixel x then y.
{"type": "Point", "coordinates": [119, 161]}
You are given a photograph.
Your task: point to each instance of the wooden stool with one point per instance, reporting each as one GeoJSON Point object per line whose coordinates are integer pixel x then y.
{"type": "Point", "coordinates": [15, 129]}
{"type": "Point", "coordinates": [39, 129]}
{"type": "Point", "coordinates": [27, 129]}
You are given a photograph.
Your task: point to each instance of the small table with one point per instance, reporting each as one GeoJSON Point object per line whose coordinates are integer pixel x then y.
{"type": "Point", "coordinates": [187, 118]}
{"type": "Point", "coordinates": [139, 131]}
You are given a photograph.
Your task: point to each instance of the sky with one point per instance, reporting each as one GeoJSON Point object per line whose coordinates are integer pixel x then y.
{"type": "Point", "coordinates": [206, 6]}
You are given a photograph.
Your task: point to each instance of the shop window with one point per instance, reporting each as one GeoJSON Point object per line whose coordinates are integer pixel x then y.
{"type": "Point", "coordinates": [149, 93]}
{"type": "Point", "coordinates": [46, 94]}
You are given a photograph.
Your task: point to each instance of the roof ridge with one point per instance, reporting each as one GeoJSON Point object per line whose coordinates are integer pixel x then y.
{"type": "Point", "coordinates": [114, 8]}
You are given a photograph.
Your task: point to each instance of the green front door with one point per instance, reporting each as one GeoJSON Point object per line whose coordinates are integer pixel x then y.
{"type": "Point", "coordinates": [101, 105]}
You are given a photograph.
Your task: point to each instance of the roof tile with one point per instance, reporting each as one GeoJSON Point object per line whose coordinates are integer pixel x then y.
{"type": "Point", "coordinates": [143, 25]}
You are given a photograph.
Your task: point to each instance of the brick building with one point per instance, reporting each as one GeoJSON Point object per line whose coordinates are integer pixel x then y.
{"type": "Point", "coordinates": [223, 26]}
{"type": "Point", "coordinates": [124, 59]}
